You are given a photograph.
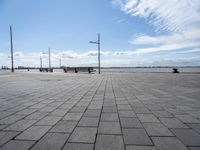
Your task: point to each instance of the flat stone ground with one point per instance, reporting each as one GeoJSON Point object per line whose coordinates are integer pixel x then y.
{"type": "Point", "coordinates": [119, 111]}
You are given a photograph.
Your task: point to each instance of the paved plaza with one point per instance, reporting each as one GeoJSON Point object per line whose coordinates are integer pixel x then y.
{"type": "Point", "coordinates": [111, 111]}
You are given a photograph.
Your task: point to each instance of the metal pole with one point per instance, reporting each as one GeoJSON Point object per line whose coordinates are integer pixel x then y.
{"type": "Point", "coordinates": [40, 62]}
{"type": "Point", "coordinates": [49, 58]}
{"type": "Point", "coordinates": [99, 52]}
{"type": "Point", "coordinates": [11, 42]}
{"type": "Point", "coordinates": [60, 62]}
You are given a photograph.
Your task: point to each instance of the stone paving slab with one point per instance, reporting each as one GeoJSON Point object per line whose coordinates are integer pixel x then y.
{"type": "Point", "coordinates": [111, 142]}
{"type": "Point", "coordinates": [17, 145]}
{"type": "Point", "coordinates": [136, 137]}
{"type": "Point", "coordinates": [188, 136]}
{"type": "Point", "coordinates": [5, 136]}
{"type": "Point", "coordinates": [33, 133]}
{"type": "Point", "coordinates": [78, 146]}
{"type": "Point", "coordinates": [83, 135]}
{"type": "Point", "coordinates": [64, 126]}
{"type": "Point", "coordinates": [51, 141]}
{"type": "Point", "coordinates": [132, 111]}
{"type": "Point", "coordinates": [168, 143]}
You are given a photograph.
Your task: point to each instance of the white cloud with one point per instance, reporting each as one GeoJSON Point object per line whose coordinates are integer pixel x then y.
{"type": "Point", "coordinates": [17, 54]}
{"type": "Point", "coordinates": [188, 36]}
{"type": "Point", "coordinates": [168, 47]}
{"type": "Point", "coordinates": [89, 58]}
{"type": "Point", "coordinates": [172, 15]}
{"type": "Point", "coordinates": [181, 18]}
{"type": "Point", "coordinates": [187, 51]}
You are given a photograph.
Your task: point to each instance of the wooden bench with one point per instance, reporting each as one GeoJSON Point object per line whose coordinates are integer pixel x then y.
{"type": "Point", "coordinates": [175, 70]}
{"type": "Point", "coordinates": [78, 69]}
{"type": "Point", "coordinates": [46, 70]}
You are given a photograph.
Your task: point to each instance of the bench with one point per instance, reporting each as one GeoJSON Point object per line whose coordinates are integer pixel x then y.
{"type": "Point", "coordinates": [175, 70]}
{"type": "Point", "coordinates": [46, 70]}
{"type": "Point", "coordinates": [78, 69]}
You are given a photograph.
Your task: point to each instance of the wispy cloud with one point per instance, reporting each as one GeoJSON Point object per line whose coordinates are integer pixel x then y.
{"type": "Point", "coordinates": [196, 50]}
{"type": "Point", "coordinates": [187, 36]}
{"type": "Point", "coordinates": [180, 18]}
{"type": "Point", "coordinates": [173, 15]}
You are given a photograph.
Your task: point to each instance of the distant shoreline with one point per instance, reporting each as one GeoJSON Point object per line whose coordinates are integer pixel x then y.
{"type": "Point", "coordinates": [21, 68]}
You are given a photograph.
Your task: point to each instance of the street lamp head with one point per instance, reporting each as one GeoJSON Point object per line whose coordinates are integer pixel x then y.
{"type": "Point", "coordinates": [93, 42]}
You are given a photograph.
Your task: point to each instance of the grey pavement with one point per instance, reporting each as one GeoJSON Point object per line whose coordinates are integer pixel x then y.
{"type": "Point", "coordinates": [111, 111]}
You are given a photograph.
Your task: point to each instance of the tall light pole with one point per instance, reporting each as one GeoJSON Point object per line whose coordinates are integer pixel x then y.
{"type": "Point", "coordinates": [60, 62]}
{"type": "Point", "coordinates": [49, 59]}
{"type": "Point", "coordinates": [11, 46]}
{"type": "Point", "coordinates": [98, 42]}
{"type": "Point", "coordinates": [40, 61]}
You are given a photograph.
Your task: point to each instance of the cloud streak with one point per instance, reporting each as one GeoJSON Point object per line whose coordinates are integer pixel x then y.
{"type": "Point", "coordinates": [175, 15]}
{"type": "Point", "coordinates": [179, 18]}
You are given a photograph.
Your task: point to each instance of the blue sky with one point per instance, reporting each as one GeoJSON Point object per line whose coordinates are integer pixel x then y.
{"type": "Point", "coordinates": [133, 32]}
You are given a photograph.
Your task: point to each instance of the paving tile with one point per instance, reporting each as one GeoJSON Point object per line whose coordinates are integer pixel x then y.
{"type": "Point", "coordinates": [168, 143]}
{"type": "Point", "coordinates": [33, 133]}
{"type": "Point", "coordinates": [77, 109]}
{"type": "Point", "coordinates": [147, 118]}
{"type": "Point", "coordinates": [20, 125]}
{"type": "Point", "coordinates": [109, 128]}
{"type": "Point", "coordinates": [64, 126]}
{"type": "Point", "coordinates": [187, 119]}
{"type": "Point", "coordinates": [2, 126]}
{"type": "Point", "coordinates": [5, 136]}
{"type": "Point", "coordinates": [132, 147]}
{"type": "Point", "coordinates": [49, 120]}
{"type": "Point", "coordinates": [36, 116]}
{"type": "Point", "coordinates": [51, 141]}
{"type": "Point", "coordinates": [109, 117]}
{"type": "Point", "coordinates": [162, 114]}
{"type": "Point", "coordinates": [17, 145]}
{"type": "Point", "coordinates": [59, 112]}
{"type": "Point", "coordinates": [4, 114]}
{"type": "Point", "coordinates": [48, 109]}
{"type": "Point", "coordinates": [194, 148]}
{"type": "Point", "coordinates": [183, 134]}
{"type": "Point", "coordinates": [89, 122]}
{"type": "Point", "coordinates": [95, 107]}
{"type": "Point", "coordinates": [141, 110]}
{"type": "Point", "coordinates": [124, 107]}
{"type": "Point", "coordinates": [136, 137]}
{"type": "Point", "coordinates": [109, 104]}
{"type": "Point", "coordinates": [195, 114]}
{"type": "Point", "coordinates": [27, 111]}
{"type": "Point", "coordinates": [83, 135]}
{"type": "Point", "coordinates": [176, 111]}
{"type": "Point", "coordinates": [11, 119]}
{"type": "Point", "coordinates": [39, 105]}
{"type": "Point", "coordinates": [126, 114]}
{"type": "Point", "coordinates": [130, 123]}
{"type": "Point", "coordinates": [109, 109]}
{"type": "Point", "coordinates": [73, 116]}
{"type": "Point", "coordinates": [109, 142]}
{"type": "Point", "coordinates": [92, 113]}
{"type": "Point", "coordinates": [157, 129]}
{"type": "Point", "coordinates": [195, 126]}
{"type": "Point", "coordinates": [173, 123]}
{"type": "Point", "coordinates": [78, 146]}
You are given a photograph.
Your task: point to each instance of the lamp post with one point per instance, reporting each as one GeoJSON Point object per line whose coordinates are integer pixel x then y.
{"type": "Point", "coordinates": [98, 43]}
{"type": "Point", "coordinates": [41, 62]}
{"type": "Point", "coordinates": [49, 59]}
{"type": "Point", "coordinates": [60, 62]}
{"type": "Point", "coordinates": [48, 53]}
{"type": "Point", "coordinates": [11, 46]}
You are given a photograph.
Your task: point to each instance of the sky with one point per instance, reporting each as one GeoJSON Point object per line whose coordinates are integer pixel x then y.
{"type": "Point", "coordinates": [133, 32]}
